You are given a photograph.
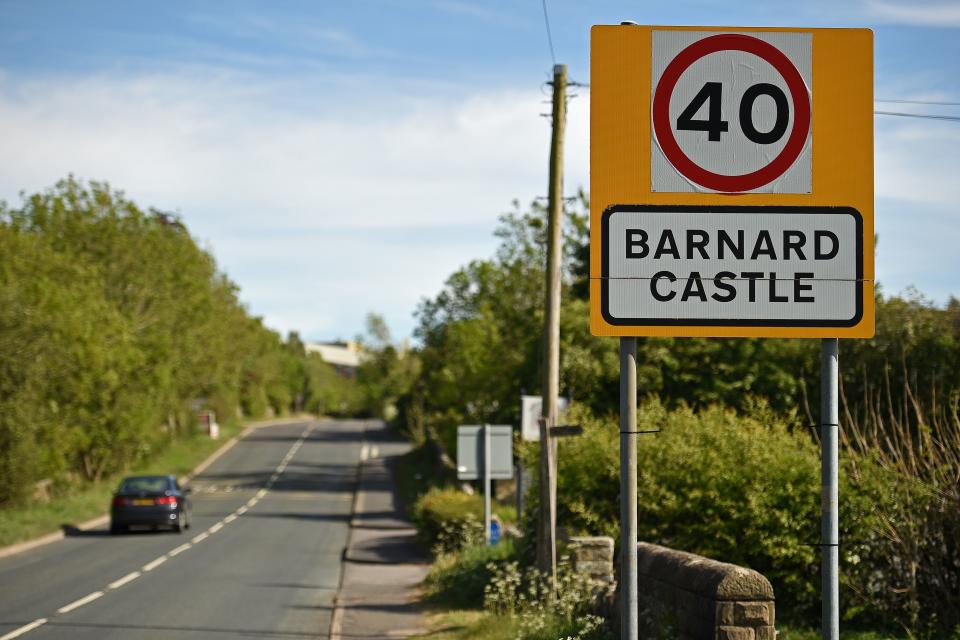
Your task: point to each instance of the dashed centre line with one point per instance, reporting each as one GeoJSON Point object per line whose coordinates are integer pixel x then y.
{"type": "Point", "coordinates": [150, 566]}
{"type": "Point", "coordinates": [180, 549]}
{"type": "Point", "coordinates": [130, 577]}
{"type": "Point", "coordinates": [76, 604]}
{"type": "Point", "coordinates": [16, 633]}
{"type": "Point", "coordinates": [200, 537]}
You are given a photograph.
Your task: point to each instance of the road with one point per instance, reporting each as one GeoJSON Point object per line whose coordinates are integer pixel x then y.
{"type": "Point", "coordinates": [262, 560]}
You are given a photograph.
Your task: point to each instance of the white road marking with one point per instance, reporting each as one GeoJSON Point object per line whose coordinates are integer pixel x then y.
{"type": "Point", "coordinates": [230, 518]}
{"type": "Point", "coordinates": [150, 566]}
{"type": "Point", "coordinates": [76, 604]}
{"type": "Point", "coordinates": [251, 502]}
{"type": "Point", "coordinates": [374, 451]}
{"type": "Point", "coordinates": [200, 538]}
{"type": "Point", "coordinates": [261, 493]}
{"type": "Point", "coordinates": [16, 633]}
{"type": "Point", "coordinates": [130, 577]}
{"type": "Point", "coordinates": [180, 549]}
{"type": "Point", "coordinates": [215, 528]}
{"type": "Point", "coordinates": [364, 452]}
{"type": "Point", "coordinates": [242, 510]}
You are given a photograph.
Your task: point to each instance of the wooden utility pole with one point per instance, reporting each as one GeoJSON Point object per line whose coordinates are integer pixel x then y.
{"type": "Point", "coordinates": [547, 523]}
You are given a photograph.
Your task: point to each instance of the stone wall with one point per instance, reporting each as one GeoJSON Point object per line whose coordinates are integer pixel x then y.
{"type": "Point", "coordinates": [688, 597]}
{"type": "Point", "coordinates": [592, 555]}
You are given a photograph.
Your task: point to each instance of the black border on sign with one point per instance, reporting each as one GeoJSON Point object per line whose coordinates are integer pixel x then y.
{"type": "Point", "coordinates": [720, 209]}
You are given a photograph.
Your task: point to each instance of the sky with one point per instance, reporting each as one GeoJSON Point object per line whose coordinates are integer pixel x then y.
{"type": "Point", "coordinates": [340, 158]}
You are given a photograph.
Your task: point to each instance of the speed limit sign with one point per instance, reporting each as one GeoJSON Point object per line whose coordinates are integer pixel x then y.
{"type": "Point", "coordinates": [731, 182]}
{"type": "Point", "coordinates": [731, 112]}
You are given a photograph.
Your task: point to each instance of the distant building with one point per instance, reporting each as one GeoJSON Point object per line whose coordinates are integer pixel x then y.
{"type": "Point", "coordinates": [345, 357]}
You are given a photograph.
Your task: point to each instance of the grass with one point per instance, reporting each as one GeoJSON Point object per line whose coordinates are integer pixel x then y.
{"type": "Point", "coordinates": [472, 624]}
{"type": "Point", "coordinates": [456, 581]}
{"type": "Point", "coordinates": [795, 633]}
{"type": "Point", "coordinates": [468, 624]}
{"type": "Point", "coordinates": [18, 524]}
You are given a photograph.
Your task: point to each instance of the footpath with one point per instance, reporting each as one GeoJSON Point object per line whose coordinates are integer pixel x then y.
{"type": "Point", "coordinates": [383, 564]}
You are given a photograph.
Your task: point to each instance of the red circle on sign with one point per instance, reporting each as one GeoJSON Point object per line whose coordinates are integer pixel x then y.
{"type": "Point", "coordinates": [718, 181]}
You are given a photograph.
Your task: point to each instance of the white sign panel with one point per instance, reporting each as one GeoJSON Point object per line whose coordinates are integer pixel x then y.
{"type": "Point", "coordinates": [531, 409]}
{"type": "Point", "coordinates": [730, 266]}
{"type": "Point", "coordinates": [731, 112]}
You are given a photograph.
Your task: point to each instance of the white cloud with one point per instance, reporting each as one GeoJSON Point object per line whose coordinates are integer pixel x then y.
{"type": "Point", "coordinates": [916, 161]}
{"type": "Point", "coordinates": [939, 14]}
{"type": "Point", "coordinates": [271, 174]}
{"type": "Point", "coordinates": [916, 205]}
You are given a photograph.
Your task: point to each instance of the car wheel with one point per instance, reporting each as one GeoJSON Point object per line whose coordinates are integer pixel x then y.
{"type": "Point", "coordinates": [189, 521]}
{"type": "Point", "coordinates": [178, 523]}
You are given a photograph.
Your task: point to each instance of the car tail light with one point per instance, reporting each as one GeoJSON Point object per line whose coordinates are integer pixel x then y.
{"type": "Point", "coordinates": [120, 501]}
{"type": "Point", "coordinates": [172, 500]}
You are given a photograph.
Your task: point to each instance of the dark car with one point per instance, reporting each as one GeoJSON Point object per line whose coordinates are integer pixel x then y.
{"type": "Point", "coordinates": [150, 501]}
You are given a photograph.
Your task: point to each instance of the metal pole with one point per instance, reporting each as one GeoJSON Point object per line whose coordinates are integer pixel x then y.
{"type": "Point", "coordinates": [629, 614]}
{"type": "Point", "coordinates": [829, 487]}
{"type": "Point", "coordinates": [519, 488]}
{"type": "Point", "coordinates": [486, 483]}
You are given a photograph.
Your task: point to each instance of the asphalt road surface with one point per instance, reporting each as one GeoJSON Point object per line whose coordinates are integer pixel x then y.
{"type": "Point", "coordinates": [262, 559]}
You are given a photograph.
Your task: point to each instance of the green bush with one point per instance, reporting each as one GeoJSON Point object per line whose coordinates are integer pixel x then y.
{"type": "Point", "coordinates": [739, 489]}
{"type": "Point", "coordinates": [441, 509]}
{"type": "Point", "coordinates": [458, 579]}
{"type": "Point", "coordinates": [745, 489]}
{"type": "Point", "coordinates": [448, 519]}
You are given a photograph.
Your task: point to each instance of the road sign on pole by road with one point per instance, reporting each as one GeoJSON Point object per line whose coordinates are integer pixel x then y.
{"type": "Point", "coordinates": [731, 182]}
{"type": "Point", "coordinates": [531, 410]}
{"type": "Point", "coordinates": [470, 460]}
{"type": "Point", "coordinates": [731, 194]}
{"type": "Point", "coordinates": [485, 452]}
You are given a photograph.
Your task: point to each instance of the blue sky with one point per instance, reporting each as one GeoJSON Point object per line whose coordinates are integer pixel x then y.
{"type": "Point", "coordinates": [345, 157]}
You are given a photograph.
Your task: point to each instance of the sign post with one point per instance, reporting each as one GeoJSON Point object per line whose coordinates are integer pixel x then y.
{"type": "Point", "coordinates": [731, 190]}
{"type": "Point", "coordinates": [486, 483]}
{"type": "Point", "coordinates": [829, 489]}
{"type": "Point", "coordinates": [629, 588]}
{"type": "Point", "coordinates": [485, 453]}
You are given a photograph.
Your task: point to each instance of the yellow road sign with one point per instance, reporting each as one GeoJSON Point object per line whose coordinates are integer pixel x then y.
{"type": "Point", "coordinates": [731, 182]}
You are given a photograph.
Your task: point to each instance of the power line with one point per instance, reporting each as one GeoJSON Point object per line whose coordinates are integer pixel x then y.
{"type": "Point", "coordinates": [933, 102]}
{"type": "Point", "coordinates": [546, 22]}
{"type": "Point", "coordinates": [917, 115]}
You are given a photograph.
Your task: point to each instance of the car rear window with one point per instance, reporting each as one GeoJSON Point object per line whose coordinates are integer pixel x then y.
{"type": "Point", "coordinates": [145, 485]}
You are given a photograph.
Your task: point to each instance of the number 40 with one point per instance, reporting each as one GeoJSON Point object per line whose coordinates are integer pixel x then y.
{"type": "Point", "coordinates": [714, 125]}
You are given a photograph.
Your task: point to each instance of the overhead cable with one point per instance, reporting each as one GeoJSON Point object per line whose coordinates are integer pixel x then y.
{"type": "Point", "coordinates": [917, 115]}
{"type": "Point", "coordinates": [546, 22]}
